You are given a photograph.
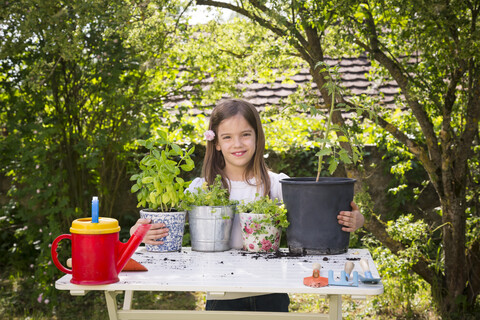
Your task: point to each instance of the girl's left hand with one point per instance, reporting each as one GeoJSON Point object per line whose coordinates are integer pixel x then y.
{"type": "Point", "coordinates": [351, 220]}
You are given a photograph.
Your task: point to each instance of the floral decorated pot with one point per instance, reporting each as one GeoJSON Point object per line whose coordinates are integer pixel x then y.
{"type": "Point", "coordinates": [258, 235]}
{"type": "Point", "coordinates": [175, 222]}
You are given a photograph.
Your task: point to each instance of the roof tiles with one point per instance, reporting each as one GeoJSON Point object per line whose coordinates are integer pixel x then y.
{"type": "Point", "coordinates": [353, 72]}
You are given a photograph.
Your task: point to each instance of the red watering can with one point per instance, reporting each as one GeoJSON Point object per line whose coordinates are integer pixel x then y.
{"type": "Point", "coordinates": [98, 255]}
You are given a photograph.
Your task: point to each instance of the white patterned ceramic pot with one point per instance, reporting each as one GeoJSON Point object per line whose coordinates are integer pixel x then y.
{"type": "Point", "coordinates": [175, 222]}
{"type": "Point", "coordinates": [257, 235]}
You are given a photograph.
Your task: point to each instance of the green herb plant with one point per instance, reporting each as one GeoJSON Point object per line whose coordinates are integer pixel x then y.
{"type": "Point", "coordinates": [159, 184]}
{"type": "Point", "coordinates": [214, 195]}
{"type": "Point", "coordinates": [274, 211]}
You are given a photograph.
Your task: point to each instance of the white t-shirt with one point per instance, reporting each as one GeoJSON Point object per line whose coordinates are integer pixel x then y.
{"type": "Point", "coordinates": [241, 190]}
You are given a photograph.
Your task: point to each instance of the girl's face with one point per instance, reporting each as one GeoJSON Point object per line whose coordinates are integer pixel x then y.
{"type": "Point", "coordinates": [237, 142]}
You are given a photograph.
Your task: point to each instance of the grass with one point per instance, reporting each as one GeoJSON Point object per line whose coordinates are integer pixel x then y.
{"type": "Point", "coordinates": [93, 307]}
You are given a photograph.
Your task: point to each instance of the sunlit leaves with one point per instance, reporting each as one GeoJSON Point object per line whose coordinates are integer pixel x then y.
{"type": "Point", "coordinates": [210, 195]}
{"type": "Point", "coordinates": [274, 211]}
{"type": "Point", "coordinates": [158, 184]}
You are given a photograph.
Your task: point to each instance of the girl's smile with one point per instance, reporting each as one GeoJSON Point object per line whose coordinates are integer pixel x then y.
{"type": "Point", "coordinates": [236, 141]}
{"type": "Point", "coordinates": [239, 154]}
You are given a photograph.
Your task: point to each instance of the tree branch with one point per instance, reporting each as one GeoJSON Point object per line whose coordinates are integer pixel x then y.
{"type": "Point", "coordinates": [432, 158]}
{"type": "Point", "coordinates": [471, 120]}
{"type": "Point", "coordinates": [301, 45]}
{"type": "Point", "coordinates": [417, 150]}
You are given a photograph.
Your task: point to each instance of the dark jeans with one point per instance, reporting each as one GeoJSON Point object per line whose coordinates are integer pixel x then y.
{"type": "Point", "coordinates": [275, 302]}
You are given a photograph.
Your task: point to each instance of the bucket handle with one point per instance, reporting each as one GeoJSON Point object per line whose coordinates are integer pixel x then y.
{"type": "Point", "coordinates": [55, 253]}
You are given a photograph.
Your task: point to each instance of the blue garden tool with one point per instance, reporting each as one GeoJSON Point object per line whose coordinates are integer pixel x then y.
{"type": "Point", "coordinates": [345, 279]}
{"type": "Point", "coordinates": [368, 278]}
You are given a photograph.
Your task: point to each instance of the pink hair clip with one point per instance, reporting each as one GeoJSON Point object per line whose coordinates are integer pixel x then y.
{"type": "Point", "coordinates": [209, 135]}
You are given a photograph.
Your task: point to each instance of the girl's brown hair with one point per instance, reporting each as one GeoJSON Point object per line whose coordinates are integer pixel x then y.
{"type": "Point", "coordinates": [214, 163]}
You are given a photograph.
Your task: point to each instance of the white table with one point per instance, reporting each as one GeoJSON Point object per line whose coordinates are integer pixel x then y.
{"type": "Point", "coordinates": [228, 272]}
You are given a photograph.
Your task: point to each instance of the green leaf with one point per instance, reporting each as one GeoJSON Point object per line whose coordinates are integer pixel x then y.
{"type": "Point", "coordinates": [190, 151]}
{"type": "Point", "coordinates": [152, 198]}
{"type": "Point", "coordinates": [147, 180]}
{"type": "Point", "coordinates": [162, 137]}
{"type": "Point", "coordinates": [187, 167]}
{"type": "Point", "coordinates": [177, 149]}
{"type": "Point", "coordinates": [150, 162]}
{"type": "Point", "coordinates": [166, 198]}
{"type": "Point", "coordinates": [149, 144]}
{"type": "Point", "coordinates": [324, 152]}
{"type": "Point", "coordinates": [170, 166]}
{"type": "Point", "coordinates": [333, 166]}
{"type": "Point", "coordinates": [344, 157]}
{"type": "Point", "coordinates": [135, 188]}
{"type": "Point", "coordinates": [156, 183]}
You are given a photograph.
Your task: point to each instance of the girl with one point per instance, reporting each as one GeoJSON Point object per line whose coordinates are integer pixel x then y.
{"type": "Point", "coordinates": [235, 148]}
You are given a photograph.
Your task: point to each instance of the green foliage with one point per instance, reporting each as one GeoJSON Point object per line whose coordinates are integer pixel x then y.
{"type": "Point", "coordinates": [75, 93]}
{"type": "Point", "coordinates": [214, 195]}
{"type": "Point", "coordinates": [233, 53]}
{"type": "Point", "coordinates": [275, 212]}
{"type": "Point", "coordinates": [333, 138]}
{"type": "Point", "coordinates": [402, 287]}
{"type": "Point", "coordinates": [159, 184]}
{"type": "Point", "coordinates": [64, 75]}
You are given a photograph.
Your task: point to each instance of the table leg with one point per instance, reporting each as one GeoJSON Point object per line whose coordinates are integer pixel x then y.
{"type": "Point", "coordinates": [335, 306]}
{"type": "Point", "coordinates": [111, 299]}
{"type": "Point", "coordinates": [127, 300]}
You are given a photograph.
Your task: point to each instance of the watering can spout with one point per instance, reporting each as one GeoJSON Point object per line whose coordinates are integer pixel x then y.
{"type": "Point", "coordinates": [127, 249]}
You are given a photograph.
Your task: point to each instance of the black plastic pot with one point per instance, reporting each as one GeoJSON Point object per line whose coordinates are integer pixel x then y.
{"type": "Point", "coordinates": [313, 208]}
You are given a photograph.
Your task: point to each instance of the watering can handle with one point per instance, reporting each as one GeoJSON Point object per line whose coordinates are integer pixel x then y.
{"type": "Point", "coordinates": [55, 253]}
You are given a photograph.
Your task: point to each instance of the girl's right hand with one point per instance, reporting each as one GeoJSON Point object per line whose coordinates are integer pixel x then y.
{"type": "Point", "coordinates": [157, 231]}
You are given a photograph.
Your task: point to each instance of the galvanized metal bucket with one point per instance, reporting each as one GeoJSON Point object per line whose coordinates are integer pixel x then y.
{"type": "Point", "coordinates": [210, 227]}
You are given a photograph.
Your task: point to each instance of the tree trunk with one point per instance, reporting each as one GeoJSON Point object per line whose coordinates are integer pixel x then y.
{"type": "Point", "coordinates": [453, 219]}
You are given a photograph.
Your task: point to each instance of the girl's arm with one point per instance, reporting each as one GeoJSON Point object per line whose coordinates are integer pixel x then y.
{"type": "Point", "coordinates": [156, 232]}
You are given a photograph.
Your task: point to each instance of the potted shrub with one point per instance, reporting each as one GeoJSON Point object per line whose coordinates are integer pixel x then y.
{"type": "Point", "coordinates": [314, 203]}
{"type": "Point", "coordinates": [160, 187]}
{"type": "Point", "coordinates": [262, 222]}
{"type": "Point", "coordinates": [210, 217]}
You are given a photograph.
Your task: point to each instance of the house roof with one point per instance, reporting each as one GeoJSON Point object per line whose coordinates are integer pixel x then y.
{"type": "Point", "coordinates": [353, 72]}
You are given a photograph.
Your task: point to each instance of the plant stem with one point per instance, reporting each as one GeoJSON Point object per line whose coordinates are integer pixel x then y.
{"type": "Point", "coordinates": [320, 157]}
